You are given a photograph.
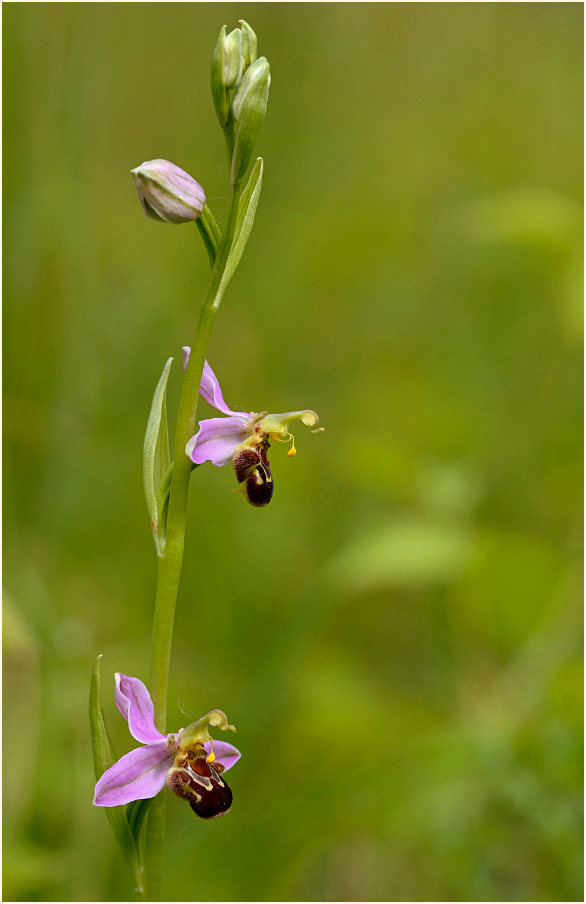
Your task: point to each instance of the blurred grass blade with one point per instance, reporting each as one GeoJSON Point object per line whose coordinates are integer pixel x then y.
{"type": "Point", "coordinates": [104, 757]}
{"type": "Point", "coordinates": [156, 457]}
{"type": "Point", "coordinates": [246, 211]}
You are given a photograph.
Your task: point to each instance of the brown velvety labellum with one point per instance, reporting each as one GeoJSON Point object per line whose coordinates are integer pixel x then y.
{"type": "Point", "coordinates": [200, 785]}
{"type": "Point", "coordinates": [260, 486]}
{"type": "Point", "coordinates": [252, 468]}
{"type": "Point", "coordinates": [245, 461]}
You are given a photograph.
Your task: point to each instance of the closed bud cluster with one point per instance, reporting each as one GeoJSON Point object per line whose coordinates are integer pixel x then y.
{"type": "Point", "coordinates": [167, 192]}
{"type": "Point", "coordinates": [240, 89]}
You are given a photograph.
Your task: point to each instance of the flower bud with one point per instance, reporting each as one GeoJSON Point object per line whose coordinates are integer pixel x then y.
{"type": "Point", "coordinates": [233, 58]}
{"type": "Point", "coordinates": [167, 192]}
{"type": "Point", "coordinates": [248, 45]}
{"type": "Point", "coordinates": [252, 93]}
{"type": "Point", "coordinates": [226, 70]}
{"type": "Point", "coordinates": [249, 106]}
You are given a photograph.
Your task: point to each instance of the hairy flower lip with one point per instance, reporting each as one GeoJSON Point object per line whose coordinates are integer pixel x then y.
{"type": "Point", "coordinates": [143, 772]}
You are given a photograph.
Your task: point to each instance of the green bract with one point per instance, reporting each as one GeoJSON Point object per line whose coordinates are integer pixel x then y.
{"type": "Point", "coordinates": [126, 822]}
{"type": "Point", "coordinates": [157, 460]}
{"type": "Point", "coordinates": [246, 211]}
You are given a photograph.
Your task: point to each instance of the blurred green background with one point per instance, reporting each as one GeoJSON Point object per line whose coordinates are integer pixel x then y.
{"type": "Point", "coordinates": [398, 635]}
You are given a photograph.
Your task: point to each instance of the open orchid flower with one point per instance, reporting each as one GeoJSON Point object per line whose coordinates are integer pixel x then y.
{"type": "Point", "coordinates": [189, 762]}
{"type": "Point", "coordinates": [243, 438]}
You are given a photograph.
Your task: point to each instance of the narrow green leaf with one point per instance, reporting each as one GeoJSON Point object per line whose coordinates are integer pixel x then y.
{"type": "Point", "coordinates": [246, 211]}
{"type": "Point", "coordinates": [210, 233]}
{"type": "Point", "coordinates": [163, 495]}
{"type": "Point", "coordinates": [156, 457]}
{"type": "Point", "coordinates": [104, 757]}
{"type": "Point", "coordinates": [136, 812]}
{"type": "Point", "coordinates": [102, 747]}
{"type": "Point", "coordinates": [162, 458]}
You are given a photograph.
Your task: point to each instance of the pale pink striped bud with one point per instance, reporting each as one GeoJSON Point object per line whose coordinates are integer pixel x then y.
{"type": "Point", "coordinates": [167, 192]}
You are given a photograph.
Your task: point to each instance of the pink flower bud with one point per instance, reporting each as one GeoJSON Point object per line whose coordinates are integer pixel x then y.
{"type": "Point", "coordinates": [167, 192]}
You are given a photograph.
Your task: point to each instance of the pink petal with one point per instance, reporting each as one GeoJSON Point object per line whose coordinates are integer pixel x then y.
{"type": "Point", "coordinates": [225, 753]}
{"type": "Point", "coordinates": [135, 704]}
{"type": "Point", "coordinates": [139, 774]}
{"type": "Point", "coordinates": [209, 387]}
{"type": "Point", "coordinates": [211, 392]}
{"type": "Point", "coordinates": [217, 438]}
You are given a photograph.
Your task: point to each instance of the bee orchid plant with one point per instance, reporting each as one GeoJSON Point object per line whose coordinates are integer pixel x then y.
{"type": "Point", "coordinates": [189, 762]}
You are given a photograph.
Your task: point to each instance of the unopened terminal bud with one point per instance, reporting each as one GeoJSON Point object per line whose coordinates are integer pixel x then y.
{"type": "Point", "coordinates": [249, 45]}
{"type": "Point", "coordinates": [226, 71]}
{"type": "Point", "coordinates": [249, 106]}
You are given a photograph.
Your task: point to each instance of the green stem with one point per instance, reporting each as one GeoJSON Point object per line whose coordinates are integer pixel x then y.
{"type": "Point", "coordinates": [170, 564]}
